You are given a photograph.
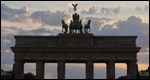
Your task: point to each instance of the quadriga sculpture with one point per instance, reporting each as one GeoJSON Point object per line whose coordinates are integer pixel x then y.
{"type": "Point", "coordinates": [75, 25]}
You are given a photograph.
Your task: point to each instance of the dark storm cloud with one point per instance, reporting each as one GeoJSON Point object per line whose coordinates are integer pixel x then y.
{"type": "Point", "coordinates": [49, 17]}
{"type": "Point", "coordinates": [14, 15]}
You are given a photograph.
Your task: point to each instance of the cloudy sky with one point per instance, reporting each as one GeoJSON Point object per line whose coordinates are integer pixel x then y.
{"type": "Point", "coordinates": [44, 18]}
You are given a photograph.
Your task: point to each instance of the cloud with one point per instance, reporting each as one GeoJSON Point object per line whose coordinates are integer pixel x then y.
{"type": "Point", "coordinates": [14, 15]}
{"type": "Point", "coordinates": [44, 31]}
{"type": "Point", "coordinates": [49, 76]}
{"type": "Point", "coordinates": [139, 8]}
{"type": "Point", "coordinates": [146, 7]}
{"type": "Point", "coordinates": [52, 18]}
{"type": "Point", "coordinates": [91, 10]}
{"type": "Point", "coordinates": [95, 23]}
{"type": "Point", "coordinates": [103, 11]}
{"type": "Point", "coordinates": [110, 11]}
{"type": "Point", "coordinates": [142, 66]}
{"type": "Point", "coordinates": [70, 5]}
{"type": "Point", "coordinates": [116, 10]}
{"type": "Point", "coordinates": [143, 58]}
{"type": "Point", "coordinates": [7, 67]}
{"type": "Point", "coordinates": [132, 26]}
{"type": "Point", "coordinates": [30, 67]}
{"type": "Point", "coordinates": [4, 42]}
{"type": "Point", "coordinates": [9, 32]}
{"type": "Point", "coordinates": [40, 31]}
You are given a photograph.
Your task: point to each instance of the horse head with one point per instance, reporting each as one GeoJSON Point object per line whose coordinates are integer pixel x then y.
{"type": "Point", "coordinates": [89, 22]}
{"type": "Point", "coordinates": [63, 22]}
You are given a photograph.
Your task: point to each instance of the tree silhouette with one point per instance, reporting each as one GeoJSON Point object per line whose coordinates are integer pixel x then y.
{"type": "Point", "coordinates": [29, 75]}
{"type": "Point", "coordinates": [122, 77]}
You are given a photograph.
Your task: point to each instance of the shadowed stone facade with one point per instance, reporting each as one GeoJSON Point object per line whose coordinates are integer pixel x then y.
{"type": "Point", "coordinates": [75, 48]}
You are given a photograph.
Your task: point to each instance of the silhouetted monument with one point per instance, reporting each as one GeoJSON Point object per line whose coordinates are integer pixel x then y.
{"type": "Point", "coordinates": [75, 48]}
{"type": "Point", "coordinates": [76, 23]}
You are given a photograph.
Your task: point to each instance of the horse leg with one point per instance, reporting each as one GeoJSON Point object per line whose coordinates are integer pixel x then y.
{"type": "Point", "coordinates": [70, 30]}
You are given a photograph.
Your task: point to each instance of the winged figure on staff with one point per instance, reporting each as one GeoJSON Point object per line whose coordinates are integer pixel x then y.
{"type": "Point", "coordinates": [74, 5]}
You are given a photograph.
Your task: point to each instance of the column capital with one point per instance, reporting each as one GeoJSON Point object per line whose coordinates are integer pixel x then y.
{"type": "Point", "coordinates": [89, 60]}
{"type": "Point", "coordinates": [129, 61]}
{"type": "Point", "coordinates": [20, 61]}
{"type": "Point", "coordinates": [134, 60]}
{"type": "Point", "coordinates": [39, 61]}
{"type": "Point", "coordinates": [61, 60]}
{"type": "Point", "coordinates": [110, 61]}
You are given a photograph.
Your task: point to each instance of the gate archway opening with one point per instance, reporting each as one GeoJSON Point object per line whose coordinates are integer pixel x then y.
{"type": "Point", "coordinates": [100, 71]}
{"type": "Point", "coordinates": [75, 71]}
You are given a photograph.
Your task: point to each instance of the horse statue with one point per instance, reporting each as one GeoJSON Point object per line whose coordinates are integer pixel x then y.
{"type": "Point", "coordinates": [64, 26]}
{"type": "Point", "coordinates": [87, 27]}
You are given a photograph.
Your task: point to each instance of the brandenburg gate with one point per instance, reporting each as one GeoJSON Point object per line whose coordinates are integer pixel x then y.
{"type": "Point", "coordinates": [75, 47]}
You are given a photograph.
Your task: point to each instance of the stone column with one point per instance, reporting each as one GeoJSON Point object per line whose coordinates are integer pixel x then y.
{"type": "Point", "coordinates": [110, 69]}
{"type": "Point", "coordinates": [132, 69]}
{"type": "Point", "coordinates": [39, 69]}
{"type": "Point", "coordinates": [128, 70]}
{"type": "Point", "coordinates": [22, 70]}
{"type": "Point", "coordinates": [61, 69]}
{"type": "Point", "coordinates": [19, 69]}
{"type": "Point", "coordinates": [89, 70]}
